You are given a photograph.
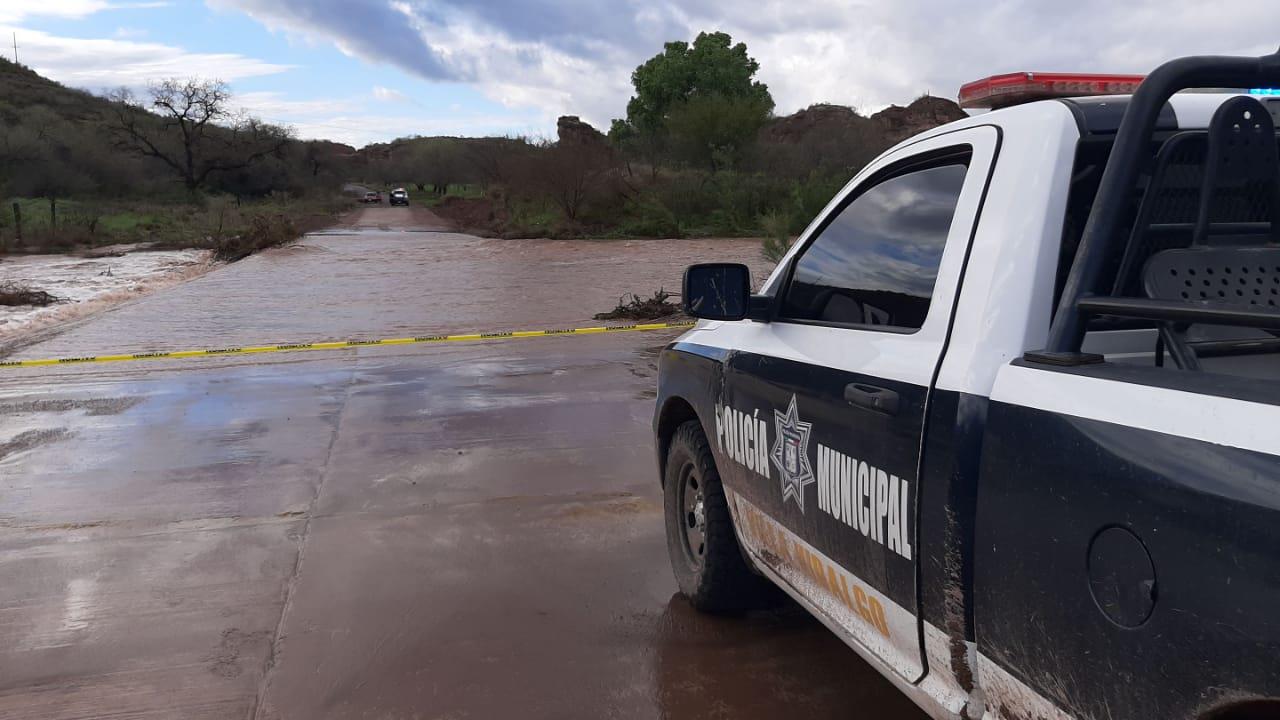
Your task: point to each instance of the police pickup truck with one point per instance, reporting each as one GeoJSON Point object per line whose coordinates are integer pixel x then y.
{"type": "Point", "coordinates": [1007, 416]}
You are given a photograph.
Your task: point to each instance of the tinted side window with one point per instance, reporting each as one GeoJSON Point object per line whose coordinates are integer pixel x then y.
{"type": "Point", "coordinates": [876, 262]}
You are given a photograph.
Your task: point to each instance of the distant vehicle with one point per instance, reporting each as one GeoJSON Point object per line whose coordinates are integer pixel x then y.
{"type": "Point", "coordinates": [371, 197]}
{"type": "Point", "coordinates": [399, 197]}
{"type": "Point", "coordinates": [1012, 511]}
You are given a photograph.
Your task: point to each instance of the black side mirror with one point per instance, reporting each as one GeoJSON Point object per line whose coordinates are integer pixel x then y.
{"type": "Point", "coordinates": [717, 291]}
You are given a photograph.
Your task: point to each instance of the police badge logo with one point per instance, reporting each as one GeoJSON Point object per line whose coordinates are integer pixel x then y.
{"type": "Point", "coordinates": [791, 453]}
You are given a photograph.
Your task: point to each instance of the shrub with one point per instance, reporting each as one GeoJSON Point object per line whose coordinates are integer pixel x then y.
{"type": "Point", "coordinates": [647, 216]}
{"type": "Point", "coordinates": [264, 231]}
{"type": "Point", "coordinates": [741, 198]}
{"type": "Point", "coordinates": [687, 197]}
{"type": "Point", "coordinates": [811, 195]}
{"type": "Point", "coordinates": [776, 227]}
{"type": "Point", "coordinates": [535, 218]}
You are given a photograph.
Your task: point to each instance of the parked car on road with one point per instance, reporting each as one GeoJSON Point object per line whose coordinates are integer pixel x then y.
{"type": "Point", "coordinates": [399, 197]}
{"type": "Point", "coordinates": [371, 197]}
{"type": "Point", "coordinates": [1005, 416]}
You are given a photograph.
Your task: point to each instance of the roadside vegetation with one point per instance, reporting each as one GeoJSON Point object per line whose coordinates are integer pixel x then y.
{"type": "Point", "coordinates": [207, 221]}
{"type": "Point", "coordinates": [699, 153]}
{"type": "Point", "coordinates": [176, 168]}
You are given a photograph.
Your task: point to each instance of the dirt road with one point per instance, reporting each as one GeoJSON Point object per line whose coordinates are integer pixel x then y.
{"type": "Point", "coordinates": [470, 531]}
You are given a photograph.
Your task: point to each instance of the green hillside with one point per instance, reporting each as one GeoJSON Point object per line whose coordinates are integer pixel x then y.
{"type": "Point", "coordinates": [70, 175]}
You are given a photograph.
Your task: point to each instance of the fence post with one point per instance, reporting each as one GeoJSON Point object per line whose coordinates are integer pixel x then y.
{"type": "Point", "coordinates": [17, 224]}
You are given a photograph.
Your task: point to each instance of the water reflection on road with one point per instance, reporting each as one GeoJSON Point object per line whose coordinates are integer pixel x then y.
{"type": "Point", "coordinates": [776, 664]}
{"type": "Point", "coordinates": [471, 530]}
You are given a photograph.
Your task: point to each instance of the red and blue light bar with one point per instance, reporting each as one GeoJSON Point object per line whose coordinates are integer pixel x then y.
{"type": "Point", "coordinates": [1000, 91]}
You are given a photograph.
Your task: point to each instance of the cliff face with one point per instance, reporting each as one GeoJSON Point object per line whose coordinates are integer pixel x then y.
{"type": "Point", "coordinates": [889, 126]}
{"type": "Point", "coordinates": [924, 113]}
{"type": "Point", "coordinates": [825, 119]}
{"type": "Point", "coordinates": [329, 148]}
{"type": "Point", "coordinates": [829, 122]}
{"type": "Point", "coordinates": [571, 130]}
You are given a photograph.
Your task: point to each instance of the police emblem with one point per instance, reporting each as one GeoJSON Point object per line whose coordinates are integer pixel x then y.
{"type": "Point", "coordinates": [791, 453]}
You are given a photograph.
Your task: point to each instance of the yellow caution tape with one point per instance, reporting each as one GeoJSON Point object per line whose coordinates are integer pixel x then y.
{"type": "Point", "coordinates": [338, 345]}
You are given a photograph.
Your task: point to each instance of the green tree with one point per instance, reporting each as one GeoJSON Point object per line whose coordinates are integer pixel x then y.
{"type": "Point", "coordinates": [683, 79]}
{"type": "Point", "coordinates": [45, 160]}
{"type": "Point", "coordinates": [437, 163]}
{"type": "Point", "coordinates": [714, 131]}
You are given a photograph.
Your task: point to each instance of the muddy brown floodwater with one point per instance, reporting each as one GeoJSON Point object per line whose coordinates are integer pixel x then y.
{"type": "Point", "coordinates": [470, 531]}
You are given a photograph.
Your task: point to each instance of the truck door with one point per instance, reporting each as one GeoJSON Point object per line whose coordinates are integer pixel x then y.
{"type": "Point", "coordinates": [823, 406]}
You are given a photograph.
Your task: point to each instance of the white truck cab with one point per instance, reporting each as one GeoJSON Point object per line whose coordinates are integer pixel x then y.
{"type": "Point", "coordinates": [1002, 417]}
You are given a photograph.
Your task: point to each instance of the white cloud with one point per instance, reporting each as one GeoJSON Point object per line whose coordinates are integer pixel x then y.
{"type": "Point", "coordinates": [543, 58]}
{"type": "Point", "coordinates": [14, 11]}
{"type": "Point", "coordinates": [576, 56]}
{"type": "Point", "coordinates": [388, 94]}
{"type": "Point", "coordinates": [358, 129]}
{"type": "Point", "coordinates": [881, 53]}
{"type": "Point", "coordinates": [357, 121]}
{"type": "Point", "coordinates": [274, 106]}
{"type": "Point", "coordinates": [386, 33]}
{"type": "Point", "coordinates": [592, 83]}
{"type": "Point", "coordinates": [106, 63]}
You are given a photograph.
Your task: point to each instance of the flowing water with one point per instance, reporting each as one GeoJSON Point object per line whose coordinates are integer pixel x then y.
{"type": "Point", "coordinates": [84, 285]}
{"type": "Point", "coordinates": [368, 283]}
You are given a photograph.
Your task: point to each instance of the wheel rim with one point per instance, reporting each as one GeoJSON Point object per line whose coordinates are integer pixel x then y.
{"type": "Point", "coordinates": [693, 515]}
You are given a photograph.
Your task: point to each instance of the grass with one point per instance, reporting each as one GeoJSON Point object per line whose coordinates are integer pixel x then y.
{"type": "Point", "coordinates": [35, 213]}
{"type": "Point", "coordinates": [429, 199]}
{"type": "Point", "coordinates": [128, 222]}
{"type": "Point", "coordinates": [533, 218]}
{"type": "Point", "coordinates": [210, 222]}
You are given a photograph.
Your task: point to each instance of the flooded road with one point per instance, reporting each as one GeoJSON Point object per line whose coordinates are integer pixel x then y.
{"type": "Point", "coordinates": [85, 284]}
{"type": "Point", "coordinates": [469, 531]}
{"type": "Point", "coordinates": [389, 273]}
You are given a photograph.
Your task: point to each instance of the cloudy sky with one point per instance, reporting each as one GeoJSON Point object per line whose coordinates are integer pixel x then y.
{"type": "Point", "coordinates": [362, 71]}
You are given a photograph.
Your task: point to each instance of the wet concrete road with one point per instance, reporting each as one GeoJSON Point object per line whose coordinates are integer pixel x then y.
{"type": "Point", "coordinates": [471, 531]}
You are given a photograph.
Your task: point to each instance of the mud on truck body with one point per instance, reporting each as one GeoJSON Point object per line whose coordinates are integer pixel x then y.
{"type": "Point", "coordinates": [1007, 416]}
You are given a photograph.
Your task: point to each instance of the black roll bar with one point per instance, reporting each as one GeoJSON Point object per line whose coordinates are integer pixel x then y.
{"type": "Point", "coordinates": [1102, 233]}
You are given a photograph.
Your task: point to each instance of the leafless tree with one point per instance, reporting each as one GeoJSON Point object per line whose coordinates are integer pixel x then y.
{"type": "Point", "coordinates": [189, 125]}
{"type": "Point", "coordinates": [572, 173]}
{"type": "Point", "coordinates": [496, 160]}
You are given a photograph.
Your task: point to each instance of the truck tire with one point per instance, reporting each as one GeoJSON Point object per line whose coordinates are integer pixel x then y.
{"type": "Point", "coordinates": [708, 563]}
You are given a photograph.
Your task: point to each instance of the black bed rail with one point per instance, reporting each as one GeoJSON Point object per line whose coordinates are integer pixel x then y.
{"type": "Point", "coordinates": [1083, 294]}
{"type": "Point", "coordinates": [1182, 312]}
